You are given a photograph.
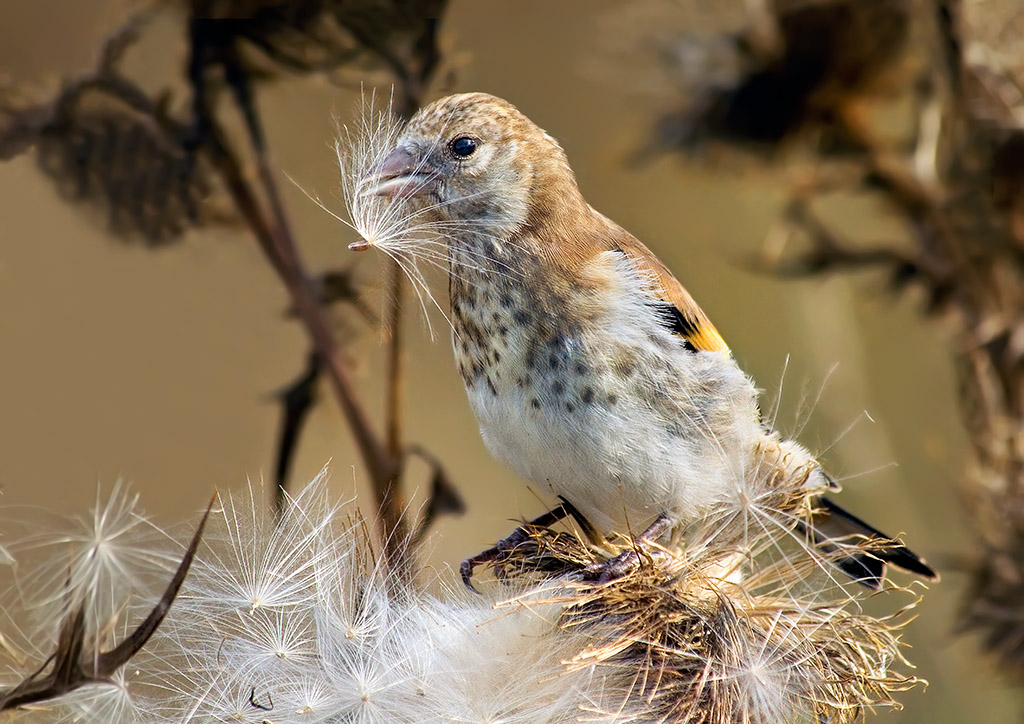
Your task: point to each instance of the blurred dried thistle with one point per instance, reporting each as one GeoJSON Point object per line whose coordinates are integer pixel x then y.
{"type": "Point", "coordinates": [348, 37]}
{"type": "Point", "coordinates": [761, 73]}
{"type": "Point", "coordinates": [104, 140]}
{"type": "Point", "coordinates": [952, 176]}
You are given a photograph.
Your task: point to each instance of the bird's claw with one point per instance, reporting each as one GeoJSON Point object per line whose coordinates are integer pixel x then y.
{"type": "Point", "coordinates": [466, 571]}
{"type": "Point", "coordinates": [501, 550]}
{"type": "Point", "coordinates": [497, 554]}
{"type": "Point", "coordinates": [629, 560]}
{"type": "Point", "coordinates": [614, 568]}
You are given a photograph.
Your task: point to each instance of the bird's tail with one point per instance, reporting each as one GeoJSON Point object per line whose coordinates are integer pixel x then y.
{"type": "Point", "coordinates": [831, 525]}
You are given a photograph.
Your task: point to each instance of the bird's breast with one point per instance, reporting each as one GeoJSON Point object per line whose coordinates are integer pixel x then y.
{"type": "Point", "coordinates": [597, 402]}
{"type": "Point", "coordinates": [516, 335]}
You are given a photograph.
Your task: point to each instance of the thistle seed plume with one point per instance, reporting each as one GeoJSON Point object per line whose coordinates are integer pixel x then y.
{"type": "Point", "coordinates": [406, 232]}
{"type": "Point", "coordinates": [360, 148]}
{"type": "Point", "coordinates": [297, 620]}
{"type": "Point", "coordinates": [106, 562]}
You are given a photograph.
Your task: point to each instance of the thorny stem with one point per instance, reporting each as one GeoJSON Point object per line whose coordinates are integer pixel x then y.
{"type": "Point", "coordinates": [280, 248]}
{"type": "Point", "coordinates": [395, 386]}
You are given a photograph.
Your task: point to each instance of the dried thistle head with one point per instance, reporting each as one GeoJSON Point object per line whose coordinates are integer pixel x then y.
{"type": "Point", "coordinates": [106, 144]}
{"type": "Point", "coordinates": [341, 37]}
{"type": "Point", "coordinates": [134, 165]}
{"type": "Point", "coordinates": [740, 620]}
{"type": "Point", "coordinates": [757, 74]}
{"type": "Point", "coordinates": [687, 637]}
{"type": "Point", "coordinates": [691, 648]}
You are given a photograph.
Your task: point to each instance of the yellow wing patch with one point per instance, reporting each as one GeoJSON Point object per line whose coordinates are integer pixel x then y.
{"type": "Point", "coordinates": [687, 318]}
{"type": "Point", "coordinates": [702, 335]}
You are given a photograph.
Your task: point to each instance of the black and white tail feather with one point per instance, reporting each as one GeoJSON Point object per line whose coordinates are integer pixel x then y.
{"type": "Point", "coordinates": [831, 527]}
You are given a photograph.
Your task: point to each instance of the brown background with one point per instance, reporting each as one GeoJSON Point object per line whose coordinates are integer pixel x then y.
{"type": "Point", "coordinates": [155, 366]}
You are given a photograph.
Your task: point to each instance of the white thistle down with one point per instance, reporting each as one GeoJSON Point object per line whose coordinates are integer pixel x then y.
{"type": "Point", "coordinates": [297, 621]}
{"type": "Point", "coordinates": [387, 224]}
{"type": "Point", "coordinates": [294, 621]}
{"type": "Point", "coordinates": [112, 556]}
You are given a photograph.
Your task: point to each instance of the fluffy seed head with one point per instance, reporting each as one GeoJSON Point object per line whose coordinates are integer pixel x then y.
{"type": "Point", "coordinates": [295, 621]}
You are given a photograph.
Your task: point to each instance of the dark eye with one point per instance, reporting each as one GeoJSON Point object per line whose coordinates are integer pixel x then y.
{"type": "Point", "coordinates": [463, 146]}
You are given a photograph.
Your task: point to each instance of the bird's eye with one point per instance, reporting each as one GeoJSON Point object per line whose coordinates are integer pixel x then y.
{"type": "Point", "coordinates": [463, 146]}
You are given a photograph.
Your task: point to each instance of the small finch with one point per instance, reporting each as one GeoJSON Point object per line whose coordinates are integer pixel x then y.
{"type": "Point", "coordinates": [591, 370]}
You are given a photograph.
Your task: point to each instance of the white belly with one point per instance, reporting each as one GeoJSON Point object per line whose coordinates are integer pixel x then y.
{"type": "Point", "coordinates": [594, 399]}
{"type": "Point", "coordinates": [674, 437]}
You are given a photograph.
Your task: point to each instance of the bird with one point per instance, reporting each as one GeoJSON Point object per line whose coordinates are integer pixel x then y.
{"type": "Point", "coordinates": [591, 370]}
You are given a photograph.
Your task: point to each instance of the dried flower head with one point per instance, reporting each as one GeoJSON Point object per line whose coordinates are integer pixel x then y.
{"type": "Point", "coordinates": [757, 74]}
{"type": "Point", "coordinates": [271, 36]}
{"type": "Point", "coordinates": [299, 621]}
{"type": "Point", "coordinates": [106, 143]}
{"type": "Point", "coordinates": [744, 624]}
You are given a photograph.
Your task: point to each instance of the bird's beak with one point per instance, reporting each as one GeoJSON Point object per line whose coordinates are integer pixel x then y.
{"type": "Point", "coordinates": [400, 175]}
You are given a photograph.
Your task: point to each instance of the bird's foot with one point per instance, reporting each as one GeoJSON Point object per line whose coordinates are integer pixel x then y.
{"type": "Point", "coordinates": [496, 553]}
{"type": "Point", "coordinates": [629, 560]}
{"type": "Point", "coordinates": [614, 568]}
{"type": "Point", "coordinates": [502, 550]}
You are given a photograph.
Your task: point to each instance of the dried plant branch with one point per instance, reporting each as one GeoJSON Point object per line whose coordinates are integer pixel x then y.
{"type": "Point", "coordinates": [75, 666]}
{"type": "Point", "coordinates": [282, 253]}
{"type": "Point", "coordinates": [107, 140]}
{"type": "Point", "coordinates": [394, 377]}
{"type": "Point", "coordinates": [212, 44]}
{"type": "Point", "coordinates": [412, 72]}
{"type": "Point", "coordinates": [297, 400]}
{"type": "Point", "coordinates": [383, 467]}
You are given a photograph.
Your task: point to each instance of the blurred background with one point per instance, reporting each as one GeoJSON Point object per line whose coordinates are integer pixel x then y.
{"type": "Point", "coordinates": [159, 366]}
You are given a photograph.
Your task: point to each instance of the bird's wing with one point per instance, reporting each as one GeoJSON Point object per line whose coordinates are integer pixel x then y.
{"type": "Point", "coordinates": [687, 318]}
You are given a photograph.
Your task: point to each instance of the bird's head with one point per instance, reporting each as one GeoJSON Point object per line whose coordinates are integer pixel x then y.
{"type": "Point", "coordinates": [473, 157]}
